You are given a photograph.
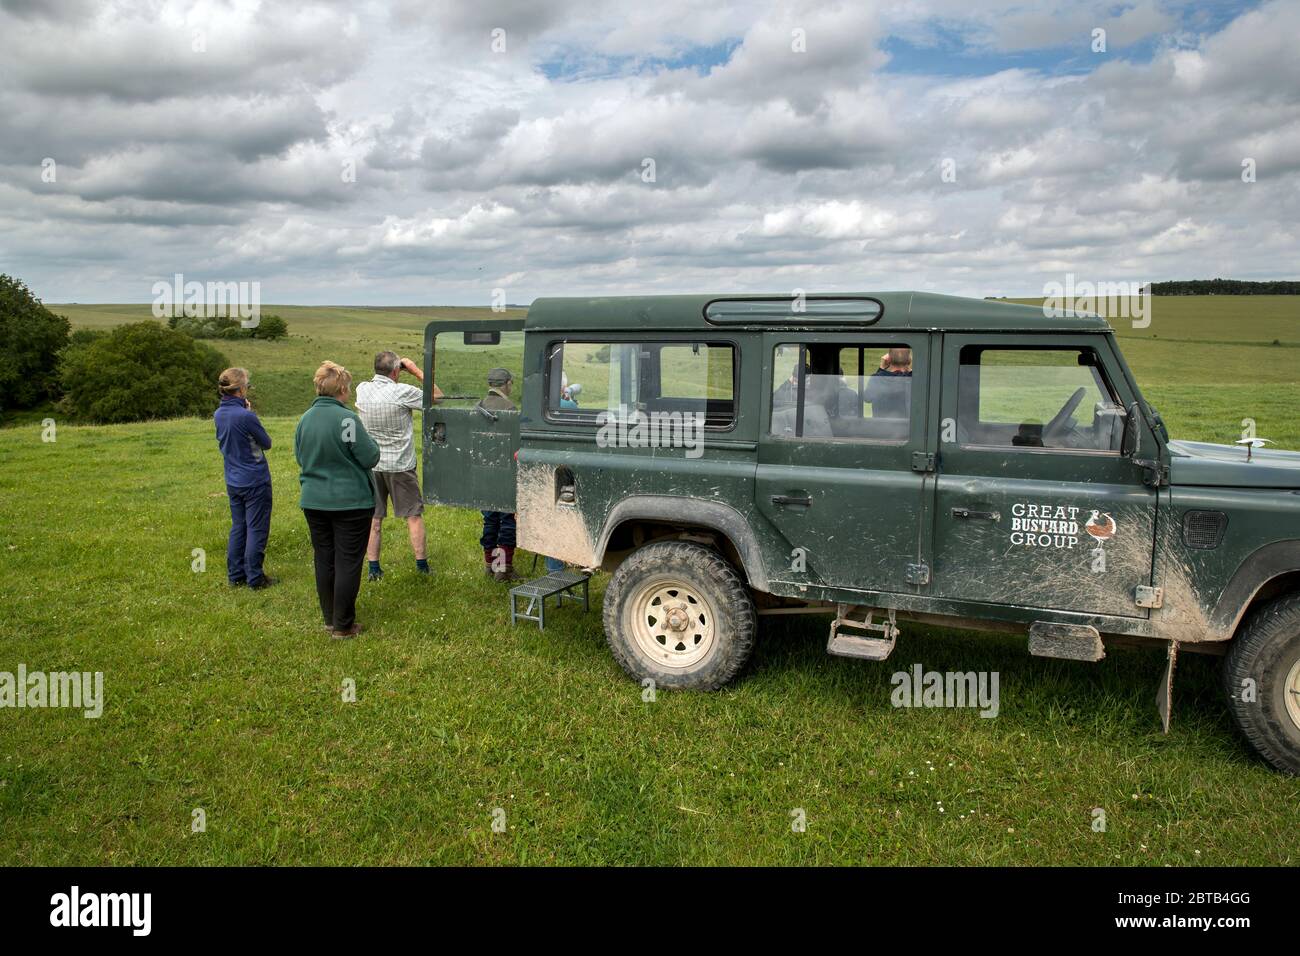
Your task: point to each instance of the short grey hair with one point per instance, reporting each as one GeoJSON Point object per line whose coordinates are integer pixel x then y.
{"type": "Point", "coordinates": [387, 362]}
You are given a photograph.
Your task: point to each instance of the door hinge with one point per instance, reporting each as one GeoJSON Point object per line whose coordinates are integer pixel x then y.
{"type": "Point", "coordinates": [918, 573]}
{"type": "Point", "coordinates": [923, 461]}
{"type": "Point", "coordinates": [1147, 596]}
{"type": "Point", "coordinates": [1155, 474]}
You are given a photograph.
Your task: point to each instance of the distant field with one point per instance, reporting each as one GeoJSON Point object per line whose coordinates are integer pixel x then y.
{"type": "Point", "coordinates": [230, 701]}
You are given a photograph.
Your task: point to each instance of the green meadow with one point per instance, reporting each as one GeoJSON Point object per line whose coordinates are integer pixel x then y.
{"type": "Point", "coordinates": [112, 549]}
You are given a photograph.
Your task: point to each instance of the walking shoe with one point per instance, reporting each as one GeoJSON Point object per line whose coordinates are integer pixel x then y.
{"type": "Point", "coordinates": [265, 581]}
{"type": "Point", "coordinates": [348, 634]}
{"type": "Point", "coordinates": [507, 573]}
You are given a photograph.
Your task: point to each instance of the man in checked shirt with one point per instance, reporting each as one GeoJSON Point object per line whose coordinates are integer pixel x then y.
{"type": "Point", "coordinates": [386, 407]}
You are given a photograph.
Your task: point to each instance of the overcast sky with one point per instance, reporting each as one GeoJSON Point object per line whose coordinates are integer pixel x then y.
{"type": "Point", "coordinates": [410, 153]}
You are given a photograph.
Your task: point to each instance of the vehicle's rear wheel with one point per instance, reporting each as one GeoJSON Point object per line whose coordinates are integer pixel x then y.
{"type": "Point", "coordinates": [1262, 677]}
{"type": "Point", "coordinates": [679, 614]}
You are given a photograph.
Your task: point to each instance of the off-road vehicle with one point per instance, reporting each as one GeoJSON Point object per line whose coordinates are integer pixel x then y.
{"type": "Point", "coordinates": [885, 457]}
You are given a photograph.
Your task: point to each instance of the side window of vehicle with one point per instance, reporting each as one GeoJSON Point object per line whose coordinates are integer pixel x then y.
{"type": "Point", "coordinates": [611, 381]}
{"type": "Point", "coordinates": [696, 378]}
{"type": "Point", "coordinates": [1036, 398]}
{"type": "Point", "coordinates": [846, 392]}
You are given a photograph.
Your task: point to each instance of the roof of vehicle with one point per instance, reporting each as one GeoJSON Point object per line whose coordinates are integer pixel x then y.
{"type": "Point", "coordinates": [898, 310]}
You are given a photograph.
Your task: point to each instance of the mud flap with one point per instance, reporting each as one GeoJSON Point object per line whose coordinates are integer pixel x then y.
{"type": "Point", "coordinates": [1071, 642]}
{"type": "Point", "coordinates": [1165, 692]}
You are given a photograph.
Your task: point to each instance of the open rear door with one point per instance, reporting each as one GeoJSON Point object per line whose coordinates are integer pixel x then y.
{"type": "Point", "coordinates": [469, 452]}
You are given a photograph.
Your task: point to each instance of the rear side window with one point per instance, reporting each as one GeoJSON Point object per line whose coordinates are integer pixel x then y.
{"type": "Point", "coordinates": [1036, 398]}
{"type": "Point", "coordinates": [591, 381]}
{"type": "Point", "coordinates": [846, 392]}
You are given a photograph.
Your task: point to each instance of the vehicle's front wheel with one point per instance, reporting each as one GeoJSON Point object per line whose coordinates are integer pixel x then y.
{"type": "Point", "coordinates": [679, 614]}
{"type": "Point", "coordinates": [1262, 677]}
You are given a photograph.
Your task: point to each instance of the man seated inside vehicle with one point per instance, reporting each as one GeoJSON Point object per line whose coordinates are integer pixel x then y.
{"type": "Point", "coordinates": [818, 391]}
{"type": "Point", "coordinates": [786, 394]}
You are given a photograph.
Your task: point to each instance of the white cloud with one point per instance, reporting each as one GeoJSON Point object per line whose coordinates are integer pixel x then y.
{"type": "Point", "coordinates": [773, 168]}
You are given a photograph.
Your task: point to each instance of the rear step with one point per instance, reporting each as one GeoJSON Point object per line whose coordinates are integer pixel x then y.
{"type": "Point", "coordinates": [860, 645]}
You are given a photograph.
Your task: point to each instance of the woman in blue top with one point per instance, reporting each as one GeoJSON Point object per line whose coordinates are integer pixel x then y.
{"type": "Point", "coordinates": [243, 440]}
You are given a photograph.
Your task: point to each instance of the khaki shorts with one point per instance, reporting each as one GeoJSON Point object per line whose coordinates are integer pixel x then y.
{"type": "Point", "coordinates": [403, 487]}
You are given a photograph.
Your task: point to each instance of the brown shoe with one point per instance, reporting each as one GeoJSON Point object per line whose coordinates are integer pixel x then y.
{"type": "Point", "coordinates": [509, 574]}
{"type": "Point", "coordinates": [348, 634]}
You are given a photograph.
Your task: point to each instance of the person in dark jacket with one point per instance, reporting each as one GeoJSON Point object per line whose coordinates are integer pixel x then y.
{"type": "Point", "coordinates": [243, 443]}
{"type": "Point", "coordinates": [889, 389]}
{"type": "Point", "coordinates": [498, 539]}
{"type": "Point", "coordinates": [335, 454]}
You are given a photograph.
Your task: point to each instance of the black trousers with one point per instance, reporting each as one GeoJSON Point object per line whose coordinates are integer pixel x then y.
{"type": "Point", "coordinates": [338, 543]}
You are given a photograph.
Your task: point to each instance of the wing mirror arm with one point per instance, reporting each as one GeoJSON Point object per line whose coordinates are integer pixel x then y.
{"type": "Point", "coordinates": [1154, 473]}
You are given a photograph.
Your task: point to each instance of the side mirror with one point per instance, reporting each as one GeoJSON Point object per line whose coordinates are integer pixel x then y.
{"type": "Point", "coordinates": [1130, 445]}
{"type": "Point", "coordinates": [1154, 473]}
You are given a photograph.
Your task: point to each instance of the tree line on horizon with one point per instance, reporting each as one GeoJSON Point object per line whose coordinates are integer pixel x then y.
{"type": "Point", "coordinates": [1226, 287]}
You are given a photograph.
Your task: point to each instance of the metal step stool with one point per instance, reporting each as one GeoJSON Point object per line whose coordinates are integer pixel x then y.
{"type": "Point", "coordinates": [557, 584]}
{"type": "Point", "coordinates": [850, 617]}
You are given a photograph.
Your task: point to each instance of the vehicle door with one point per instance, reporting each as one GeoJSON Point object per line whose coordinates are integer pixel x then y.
{"type": "Point", "coordinates": [1035, 503]}
{"type": "Point", "coordinates": [842, 457]}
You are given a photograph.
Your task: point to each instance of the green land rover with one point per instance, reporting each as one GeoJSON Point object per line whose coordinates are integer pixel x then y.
{"type": "Point", "coordinates": [881, 457]}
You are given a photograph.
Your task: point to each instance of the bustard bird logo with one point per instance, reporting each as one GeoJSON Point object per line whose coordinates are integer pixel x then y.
{"type": "Point", "coordinates": [1100, 525]}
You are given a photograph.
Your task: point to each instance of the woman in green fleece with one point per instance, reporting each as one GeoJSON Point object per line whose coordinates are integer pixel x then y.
{"type": "Point", "coordinates": [335, 455]}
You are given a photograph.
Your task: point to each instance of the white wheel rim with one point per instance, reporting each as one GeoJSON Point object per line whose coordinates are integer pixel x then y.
{"type": "Point", "coordinates": [1291, 690]}
{"type": "Point", "coordinates": [672, 624]}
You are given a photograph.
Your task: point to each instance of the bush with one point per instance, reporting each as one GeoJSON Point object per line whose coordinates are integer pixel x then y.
{"type": "Point", "coordinates": [271, 327]}
{"type": "Point", "coordinates": [222, 327]}
{"type": "Point", "coordinates": [78, 340]}
{"type": "Point", "coordinates": [140, 371]}
{"type": "Point", "coordinates": [207, 326]}
{"type": "Point", "coordinates": [31, 337]}
{"type": "Point", "coordinates": [82, 337]}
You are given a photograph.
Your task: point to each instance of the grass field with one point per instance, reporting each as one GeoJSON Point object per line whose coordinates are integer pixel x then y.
{"type": "Point", "coordinates": [231, 701]}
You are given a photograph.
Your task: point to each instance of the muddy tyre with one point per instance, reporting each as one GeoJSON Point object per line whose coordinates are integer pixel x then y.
{"type": "Point", "coordinates": [679, 614]}
{"type": "Point", "coordinates": [1265, 656]}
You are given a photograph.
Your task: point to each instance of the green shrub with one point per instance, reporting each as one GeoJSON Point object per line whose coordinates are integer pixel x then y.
{"type": "Point", "coordinates": [31, 337]}
{"type": "Point", "coordinates": [81, 337]}
{"type": "Point", "coordinates": [78, 340]}
{"type": "Point", "coordinates": [140, 371]}
{"type": "Point", "coordinates": [223, 327]}
{"type": "Point", "coordinates": [271, 327]}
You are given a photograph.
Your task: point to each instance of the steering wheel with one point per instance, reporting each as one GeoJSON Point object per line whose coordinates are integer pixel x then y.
{"type": "Point", "coordinates": [1058, 422]}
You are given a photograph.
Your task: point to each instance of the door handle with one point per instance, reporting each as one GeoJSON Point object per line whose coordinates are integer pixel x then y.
{"type": "Point", "coordinates": [805, 501]}
{"type": "Point", "coordinates": [976, 515]}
